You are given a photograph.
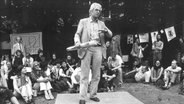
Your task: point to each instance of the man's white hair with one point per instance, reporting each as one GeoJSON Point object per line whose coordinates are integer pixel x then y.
{"type": "Point", "coordinates": [95, 6]}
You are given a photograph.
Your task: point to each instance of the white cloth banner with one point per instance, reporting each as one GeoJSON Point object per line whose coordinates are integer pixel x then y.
{"type": "Point", "coordinates": [31, 41]}
{"type": "Point", "coordinates": [154, 36]}
{"type": "Point", "coordinates": [170, 33]}
{"type": "Point", "coordinates": [130, 39]}
{"type": "Point", "coordinates": [144, 37]}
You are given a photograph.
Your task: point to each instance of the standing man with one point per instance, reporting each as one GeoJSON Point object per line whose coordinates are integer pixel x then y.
{"type": "Point", "coordinates": [91, 29]}
{"type": "Point", "coordinates": [18, 46]}
{"type": "Point", "coordinates": [157, 49]}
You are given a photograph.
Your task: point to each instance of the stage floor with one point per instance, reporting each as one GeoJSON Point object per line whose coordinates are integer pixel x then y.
{"type": "Point", "coordinates": [105, 98]}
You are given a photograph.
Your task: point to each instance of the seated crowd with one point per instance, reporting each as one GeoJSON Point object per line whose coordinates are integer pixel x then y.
{"type": "Point", "coordinates": [26, 77]}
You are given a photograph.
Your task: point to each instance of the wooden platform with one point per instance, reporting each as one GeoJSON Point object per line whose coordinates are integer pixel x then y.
{"type": "Point", "coordinates": [105, 98]}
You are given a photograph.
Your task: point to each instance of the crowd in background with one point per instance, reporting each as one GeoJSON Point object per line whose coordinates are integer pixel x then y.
{"type": "Point", "coordinates": [26, 76]}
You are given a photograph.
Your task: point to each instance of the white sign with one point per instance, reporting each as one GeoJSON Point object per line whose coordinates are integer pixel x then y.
{"type": "Point", "coordinates": [154, 36]}
{"type": "Point", "coordinates": [31, 41]}
{"type": "Point", "coordinates": [144, 37]}
{"type": "Point", "coordinates": [170, 33]}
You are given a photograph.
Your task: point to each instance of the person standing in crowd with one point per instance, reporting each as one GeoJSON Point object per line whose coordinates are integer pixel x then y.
{"type": "Point", "coordinates": [157, 49]}
{"type": "Point", "coordinates": [90, 29]}
{"type": "Point", "coordinates": [136, 51]}
{"type": "Point", "coordinates": [116, 45]}
{"type": "Point", "coordinates": [170, 74]}
{"type": "Point", "coordinates": [180, 51]}
{"type": "Point", "coordinates": [181, 88]}
{"type": "Point", "coordinates": [18, 46]}
{"type": "Point", "coordinates": [108, 49]}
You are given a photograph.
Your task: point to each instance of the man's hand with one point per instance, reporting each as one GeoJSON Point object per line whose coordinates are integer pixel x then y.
{"type": "Point", "coordinates": [103, 31]}
{"type": "Point", "coordinates": [77, 44]}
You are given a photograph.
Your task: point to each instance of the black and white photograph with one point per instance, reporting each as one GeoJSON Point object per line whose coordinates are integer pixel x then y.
{"type": "Point", "coordinates": [91, 51]}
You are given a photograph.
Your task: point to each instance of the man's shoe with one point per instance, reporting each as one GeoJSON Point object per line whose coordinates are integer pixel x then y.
{"type": "Point", "coordinates": [95, 99]}
{"type": "Point", "coordinates": [82, 102]}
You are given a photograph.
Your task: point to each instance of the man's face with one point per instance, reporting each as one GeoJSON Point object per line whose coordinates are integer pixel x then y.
{"type": "Point", "coordinates": [173, 64]}
{"type": "Point", "coordinates": [63, 64]}
{"type": "Point", "coordinates": [27, 55]}
{"type": "Point", "coordinates": [18, 39]}
{"type": "Point", "coordinates": [96, 12]}
{"type": "Point", "coordinates": [58, 65]}
{"type": "Point", "coordinates": [69, 57]}
{"type": "Point", "coordinates": [107, 43]}
{"type": "Point", "coordinates": [18, 53]}
{"type": "Point", "coordinates": [158, 37]}
{"type": "Point", "coordinates": [41, 54]}
{"type": "Point", "coordinates": [54, 56]}
{"type": "Point", "coordinates": [157, 63]}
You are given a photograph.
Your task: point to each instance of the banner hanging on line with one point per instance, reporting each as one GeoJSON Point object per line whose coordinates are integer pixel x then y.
{"type": "Point", "coordinates": [144, 37]}
{"type": "Point", "coordinates": [154, 36]}
{"type": "Point", "coordinates": [31, 41]}
{"type": "Point", "coordinates": [170, 33]}
{"type": "Point", "coordinates": [130, 39]}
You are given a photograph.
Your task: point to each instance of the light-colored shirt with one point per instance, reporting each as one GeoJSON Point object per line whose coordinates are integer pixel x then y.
{"type": "Point", "coordinates": [115, 63]}
{"type": "Point", "coordinates": [94, 30]}
{"type": "Point", "coordinates": [140, 73]}
{"type": "Point", "coordinates": [175, 70]}
{"type": "Point", "coordinates": [158, 45]}
{"type": "Point", "coordinates": [28, 61]}
{"type": "Point", "coordinates": [18, 46]}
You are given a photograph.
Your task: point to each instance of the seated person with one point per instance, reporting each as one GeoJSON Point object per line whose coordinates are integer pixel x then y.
{"type": "Point", "coordinates": [57, 82]}
{"type": "Point", "coordinates": [103, 83]}
{"type": "Point", "coordinates": [28, 60]}
{"type": "Point", "coordinates": [39, 55]}
{"type": "Point", "coordinates": [23, 86]}
{"type": "Point", "coordinates": [70, 60]}
{"type": "Point", "coordinates": [6, 95]}
{"type": "Point", "coordinates": [53, 60]}
{"type": "Point", "coordinates": [41, 82]}
{"type": "Point", "coordinates": [65, 74]}
{"type": "Point", "coordinates": [16, 62]}
{"type": "Point", "coordinates": [4, 71]}
{"type": "Point", "coordinates": [170, 74]}
{"type": "Point", "coordinates": [143, 73]}
{"type": "Point", "coordinates": [110, 75]}
{"type": "Point", "coordinates": [129, 77]}
{"type": "Point", "coordinates": [5, 65]}
{"type": "Point", "coordinates": [157, 73]}
{"type": "Point", "coordinates": [115, 61]}
{"type": "Point", "coordinates": [75, 77]}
